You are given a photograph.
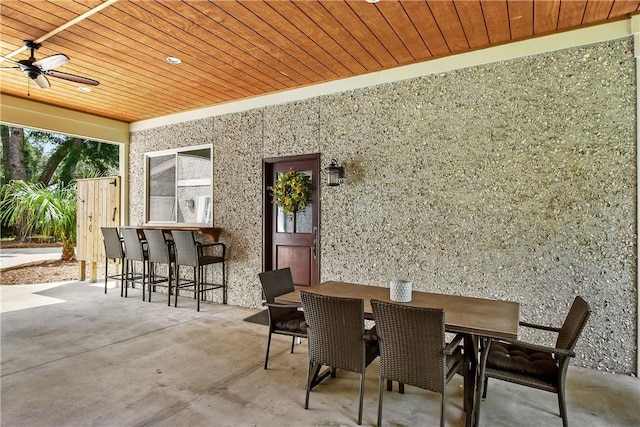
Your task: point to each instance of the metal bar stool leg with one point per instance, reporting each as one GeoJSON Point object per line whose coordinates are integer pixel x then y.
{"type": "Point", "coordinates": [177, 285]}
{"type": "Point", "coordinates": [196, 271]}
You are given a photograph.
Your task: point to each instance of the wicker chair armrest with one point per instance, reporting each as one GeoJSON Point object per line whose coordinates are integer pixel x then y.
{"type": "Point", "coordinates": [542, 348]}
{"type": "Point", "coordinates": [541, 327]}
{"type": "Point", "coordinates": [280, 305]}
{"type": "Point", "coordinates": [453, 345]}
{"type": "Point", "coordinates": [203, 246]}
{"type": "Point", "coordinates": [206, 245]}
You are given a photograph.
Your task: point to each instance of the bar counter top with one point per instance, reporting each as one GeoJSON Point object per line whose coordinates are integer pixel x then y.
{"type": "Point", "coordinates": [214, 232]}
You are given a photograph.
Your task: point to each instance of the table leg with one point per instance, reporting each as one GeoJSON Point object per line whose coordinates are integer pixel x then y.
{"type": "Point", "coordinates": [485, 343]}
{"type": "Point", "coordinates": [470, 374]}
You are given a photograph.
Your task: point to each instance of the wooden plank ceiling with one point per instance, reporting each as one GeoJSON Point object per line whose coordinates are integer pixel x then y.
{"type": "Point", "coordinates": [232, 50]}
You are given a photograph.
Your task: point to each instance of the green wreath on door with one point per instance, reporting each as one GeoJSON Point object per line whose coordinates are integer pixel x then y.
{"type": "Point", "coordinates": [292, 191]}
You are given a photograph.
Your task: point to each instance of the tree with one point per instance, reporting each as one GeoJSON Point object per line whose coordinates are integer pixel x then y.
{"type": "Point", "coordinates": [74, 158]}
{"type": "Point", "coordinates": [37, 208]}
{"type": "Point", "coordinates": [59, 154]}
{"type": "Point", "coordinates": [49, 158]}
{"type": "Point", "coordinates": [13, 153]}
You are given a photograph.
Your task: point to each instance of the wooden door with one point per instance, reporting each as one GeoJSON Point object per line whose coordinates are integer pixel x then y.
{"type": "Point", "coordinates": [292, 240]}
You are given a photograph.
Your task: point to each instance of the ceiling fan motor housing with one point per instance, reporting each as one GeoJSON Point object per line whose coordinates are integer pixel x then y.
{"type": "Point", "coordinates": [29, 69]}
{"type": "Point", "coordinates": [32, 72]}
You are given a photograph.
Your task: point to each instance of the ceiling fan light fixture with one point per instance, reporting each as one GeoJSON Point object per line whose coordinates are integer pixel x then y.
{"type": "Point", "coordinates": [173, 60]}
{"type": "Point", "coordinates": [33, 74]}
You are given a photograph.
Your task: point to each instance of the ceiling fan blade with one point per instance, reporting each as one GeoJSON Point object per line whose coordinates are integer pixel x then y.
{"type": "Point", "coordinates": [4, 58]}
{"type": "Point", "coordinates": [72, 78]}
{"type": "Point", "coordinates": [42, 82]}
{"type": "Point", "coordinates": [51, 62]}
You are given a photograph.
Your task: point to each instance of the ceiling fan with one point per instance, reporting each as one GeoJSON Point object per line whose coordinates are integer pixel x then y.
{"type": "Point", "coordinates": [40, 69]}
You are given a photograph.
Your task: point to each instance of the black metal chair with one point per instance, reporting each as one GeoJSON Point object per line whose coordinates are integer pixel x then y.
{"type": "Point", "coordinates": [190, 252]}
{"type": "Point", "coordinates": [538, 366]}
{"type": "Point", "coordinates": [337, 338]}
{"type": "Point", "coordinates": [134, 251]}
{"type": "Point", "coordinates": [112, 250]}
{"type": "Point", "coordinates": [413, 350]}
{"type": "Point", "coordinates": [161, 251]}
{"type": "Point", "coordinates": [284, 319]}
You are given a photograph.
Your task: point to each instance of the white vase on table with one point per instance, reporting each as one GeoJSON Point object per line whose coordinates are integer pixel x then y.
{"type": "Point", "coordinates": [400, 290]}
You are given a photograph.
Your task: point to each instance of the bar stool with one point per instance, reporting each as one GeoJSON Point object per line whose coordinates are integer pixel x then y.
{"type": "Point", "coordinates": [161, 251]}
{"type": "Point", "coordinates": [190, 252]}
{"type": "Point", "coordinates": [134, 251]}
{"type": "Point", "coordinates": [112, 250]}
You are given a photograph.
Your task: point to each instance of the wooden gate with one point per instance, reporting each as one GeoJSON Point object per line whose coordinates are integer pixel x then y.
{"type": "Point", "coordinates": [98, 206]}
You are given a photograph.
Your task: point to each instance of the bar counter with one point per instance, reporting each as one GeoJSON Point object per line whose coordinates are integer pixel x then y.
{"type": "Point", "coordinates": [213, 232]}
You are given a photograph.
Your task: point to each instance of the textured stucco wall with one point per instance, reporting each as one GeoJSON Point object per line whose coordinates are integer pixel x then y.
{"type": "Point", "coordinates": [513, 180]}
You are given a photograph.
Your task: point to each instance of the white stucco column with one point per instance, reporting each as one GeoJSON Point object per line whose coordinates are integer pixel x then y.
{"type": "Point", "coordinates": [124, 190]}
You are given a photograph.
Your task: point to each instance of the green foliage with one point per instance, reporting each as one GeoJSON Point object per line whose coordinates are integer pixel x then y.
{"type": "Point", "coordinates": [37, 147]}
{"type": "Point", "coordinates": [51, 210]}
{"type": "Point", "coordinates": [88, 160]}
{"type": "Point", "coordinates": [36, 209]}
{"type": "Point", "coordinates": [292, 191]}
{"type": "Point", "coordinates": [68, 166]}
{"type": "Point", "coordinates": [92, 160]}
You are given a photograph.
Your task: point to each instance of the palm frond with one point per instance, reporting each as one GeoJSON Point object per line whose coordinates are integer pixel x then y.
{"type": "Point", "coordinates": [39, 209]}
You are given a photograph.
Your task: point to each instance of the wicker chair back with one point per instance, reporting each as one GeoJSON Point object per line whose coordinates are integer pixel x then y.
{"type": "Point", "coordinates": [411, 341]}
{"type": "Point", "coordinates": [133, 245]}
{"type": "Point", "coordinates": [159, 249]}
{"type": "Point", "coordinates": [573, 324]}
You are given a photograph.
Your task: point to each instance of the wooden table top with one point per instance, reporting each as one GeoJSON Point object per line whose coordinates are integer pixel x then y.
{"type": "Point", "coordinates": [478, 316]}
{"type": "Point", "coordinates": [214, 232]}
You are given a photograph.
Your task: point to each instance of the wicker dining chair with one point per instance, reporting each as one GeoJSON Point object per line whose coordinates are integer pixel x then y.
{"type": "Point", "coordinates": [337, 338]}
{"type": "Point", "coordinates": [413, 350]}
{"type": "Point", "coordinates": [539, 366]}
{"type": "Point", "coordinates": [284, 319]}
{"type": "Point", "coordinates": [161, 251]}
{"type": "Point", "coordinates": [112, 250]}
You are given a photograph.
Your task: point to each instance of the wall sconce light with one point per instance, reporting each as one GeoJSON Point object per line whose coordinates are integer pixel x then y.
{"type": "Point", "coordinates": [335, 173]}
{"type": "Point", "coordinates": [190, 203]}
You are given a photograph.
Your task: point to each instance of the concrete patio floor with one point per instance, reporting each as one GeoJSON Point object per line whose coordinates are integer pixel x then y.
{"type": "Point", "coordinates": [10, 257]}
{"type": "Point", "coordinates": [90, 359]}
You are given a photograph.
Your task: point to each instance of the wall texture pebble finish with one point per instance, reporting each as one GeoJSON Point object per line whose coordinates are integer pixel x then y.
{"type": "Point", "coordinates": [513, 180]}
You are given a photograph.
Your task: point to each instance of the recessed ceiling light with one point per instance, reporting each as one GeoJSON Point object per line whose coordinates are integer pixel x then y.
{"type": "Point", "coordinates": [173, 60]}
{"type": "Point", "coordinates": [84, 89]}
{"type": "Point", "coordinates": [372, 1]}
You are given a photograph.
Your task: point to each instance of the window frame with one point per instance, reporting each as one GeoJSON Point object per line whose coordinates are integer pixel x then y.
{"type": "Point", "coordinates": [178, 183]}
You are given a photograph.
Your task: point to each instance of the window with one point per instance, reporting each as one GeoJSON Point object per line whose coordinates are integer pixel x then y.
{"type": "Point", "coordinates": [179, 186]}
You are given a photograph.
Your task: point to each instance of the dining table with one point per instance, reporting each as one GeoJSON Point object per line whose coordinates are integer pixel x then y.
{"type": "Point", "coordinates": [479, 320]}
